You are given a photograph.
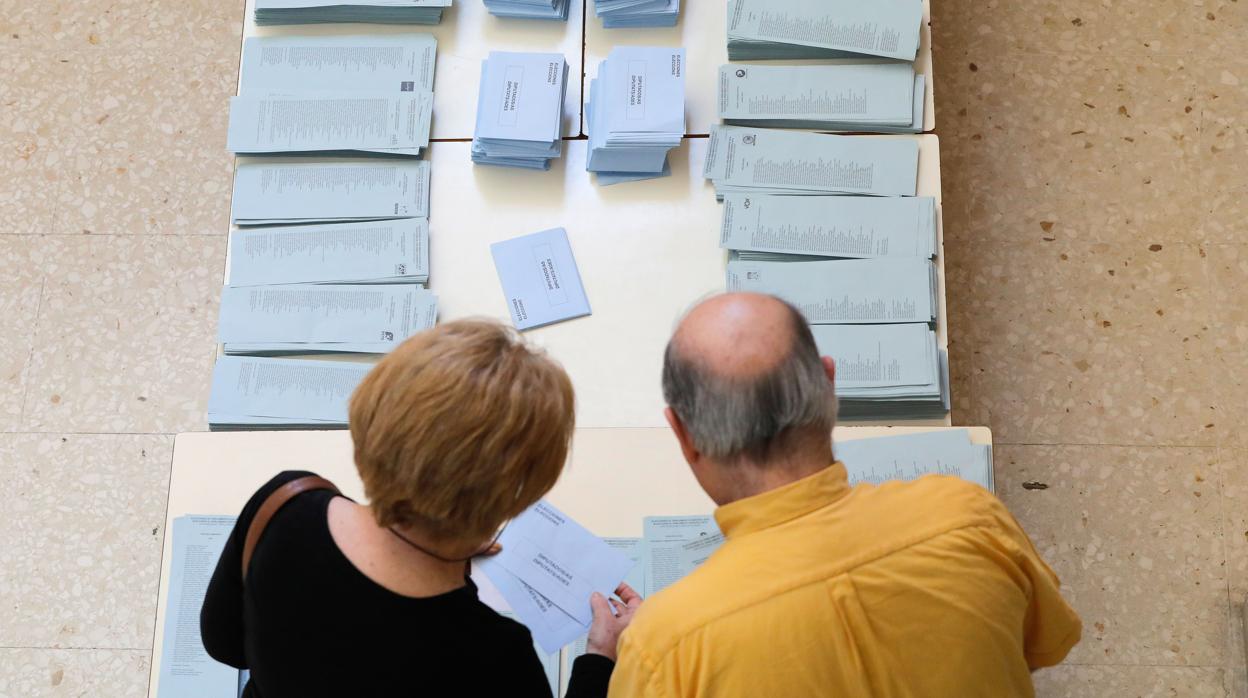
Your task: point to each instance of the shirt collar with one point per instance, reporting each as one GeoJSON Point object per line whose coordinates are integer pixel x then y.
{"type": "Point", "coordinates": [783, 504]}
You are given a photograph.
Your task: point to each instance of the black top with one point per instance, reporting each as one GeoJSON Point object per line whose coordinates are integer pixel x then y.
{"type": "Point", "coordinates": [310, 624]}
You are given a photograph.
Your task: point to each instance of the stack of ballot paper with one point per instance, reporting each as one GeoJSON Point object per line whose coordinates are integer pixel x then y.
{"type": "Point", "coordinates": [764, 29]}
{"type": "Point", "coordinates": [348, 123]}
{"type": "Point", "coordinates": [530, 9]}
{"type": "Point", "coordinates": [269, 193]}
{"type": "Point", "coordinates": [876, 98]}
{"type": "Point", "coordinates": [763, 227]}
{"type": "Point", "coordinates": [886, 371]}
{"type": "Point", "coordinates": [881, 290]}
{"type": "Point", "coordinates": [254, 393]}
{"type": "Point", "coordinates": [636, 113]}
{"type": "Point", "coordinates": [768, 161]}
{"type": "Point", "coordinates": [322, 318]}
{"type": "Point", "coordinates": [273, 12]}
{"type": "Point", "coordinates": [620, 14]}
{"type": "Point", "coordinates": [910, 456]}
{"type": "Point", "coordinates": [394, 63]}
{"type": "Point", "coordinates": [540, 280]}
{"type": "Point", "coordinates": [520, 110]}
{"type": "Point", "coordinates": [377, 252]}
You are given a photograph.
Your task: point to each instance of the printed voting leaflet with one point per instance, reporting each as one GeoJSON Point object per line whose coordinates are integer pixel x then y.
{"type": "Point", "coordinates": [886, 371]}
{"type": "Point", "coordinates": [351, 123]}
{"type": "Point", "coordinates": [760, 29]}
{"type": "Point", "coordinates": [369, 62]}
{"type": "Point", "coordinates": [636, 110]}
{"type": "Point", "coordinates": [851, 291]}
{"type": "Point", "coordinates": [329, 191]}
{"type": "Point", "coordinates": [275, 12]}
{"type": "Point", "coordinates": [520, 110]}
{"type": "Point", "coordinates": [619, 14]}
{"type": "Point", "coordinates": [539, 278]}
{"type": "Point", "coordinates": [384, 252]}
{"type": "Point", "coordinates": [910, 456]}
{"type": "Point", "coordinates": [530, 9]}
{"type": "Point", "coordinates": [762, 227]}
{"type": "Point", "coordinates": [278, 393]}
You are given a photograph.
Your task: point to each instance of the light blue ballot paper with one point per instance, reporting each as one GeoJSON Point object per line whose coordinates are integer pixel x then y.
{"type": "Point", "coordinates": [330, 191]}
{"type": "Point", "coordinates": [829, 226]}
{"type": "Point", "coordinates": [539, 278]}
{"type": "Point", "coordinates": [289, 390]}
{"type": "Point", "coordinates": [385, 62]}
{"type": "Point", "coordinates": [667, 562]}
{"type": "Point", "coordinates": [824, 28]}
{"type": "Point", "coordinates": [550, 626]}
{"type": "Point", "coordinates": [185, 667]}
{"type": "Point", "coordinates": [396, 123]}
{"type": "Point", "coordinates": [315, 313]}
{"type": "Point", "coordinates": [668, 528]}
{"type": "Point", "coordinates": [817, 96]}
{"type": "Point", "coordinates": [559, 559]}
{"type": "Point", "coordinates": [851, 291]}
{"type": "Point", "coordinates": [910, 456]}
{"type": "Point", "coordinates": [395, 251]}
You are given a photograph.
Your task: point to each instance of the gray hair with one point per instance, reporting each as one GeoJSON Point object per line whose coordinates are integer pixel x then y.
{"type": "Point", "coordinates": [759, 417]}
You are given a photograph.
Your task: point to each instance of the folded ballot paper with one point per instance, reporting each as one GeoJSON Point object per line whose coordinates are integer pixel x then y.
{"type": "Point", "coordinates": [346, 122]}
{"type": "Point", "coordinates": [636, 112]}
{"type": "Point", "coordinates": [274, 12]}
{"type": "Point", "coordinates": [322, 318]}
{"type": "Point", "coordinates": [911, 456]}
{"type": "Point", "coordinates": [848, 291]}
{"type": "Point", "coordinates": [267, 193]}
{"type": "Point", "coordinates": [621, 14]}
{"type": "Point", "coordinates": [886, 371]}
{"type": "Point", "coordinates": [394, 63]}
{"type": "Point", "coordinates": [520, 110]}
{"type": "Point", "coordinates": [530, 9]}
{"type": "Point", "coordinates": [539, 278]}
{"type": "Point", "coordinates": [765, 29]}
{"type": "Point", "coordinates": [376, 252]}
{"type": "Point", "coordinates": [768, 161]}
{"type": "Point", "coordinates": [763, 227]}
{"type": "Point", "coordinates": [876, 98]}
{"type": "Point", "coordinates": [279, 393]}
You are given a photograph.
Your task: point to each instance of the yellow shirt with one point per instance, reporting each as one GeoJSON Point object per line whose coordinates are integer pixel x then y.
{"type": "Point", "coordinates": [924, 588]}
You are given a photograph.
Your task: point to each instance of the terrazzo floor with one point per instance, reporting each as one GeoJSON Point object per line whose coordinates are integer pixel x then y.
{"type": "Point", "coordinates": [1095, 166]}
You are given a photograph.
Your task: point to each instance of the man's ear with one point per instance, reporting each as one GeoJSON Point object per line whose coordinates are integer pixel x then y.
{"type": "Point", "coordinates": [682, 436]}
{"type": "Point", "coordinates": [829, 367]}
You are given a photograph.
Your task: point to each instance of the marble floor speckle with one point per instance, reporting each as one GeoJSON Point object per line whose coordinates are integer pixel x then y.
{"type": "Point", "coordinates": [1096, 212]}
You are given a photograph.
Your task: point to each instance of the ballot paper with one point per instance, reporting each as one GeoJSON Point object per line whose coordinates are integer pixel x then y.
{"type": "Point", "coordinates": [771, 227]}
{"type": "Point", "coordinates": [768, 161]}
{"type": "Point", "coordinates": [850, 291]}
{"type": "Point", "coordinates": [384, 123]}
{"type": "Point", "coordinates": [667, 562]}
{"type": "Point", "coordinates": [329, 191]}
{"type": "Point", "coordinates": [539, 279]}
{"type": "Point", "coordinates": [636, 110]}
{"type": "Point", "coordinates": [621, 14]}
{"type": "Point", "coordinates": [877, 97]}
{"type": "Point", "coordinates": [530, 9]}
{"type": "Point", "coordinates": [395, 251]}
{"type": "Point", "coordinates": [886, 372]}
{"type": "Point", "coordinates": [372, 62]}
{"type": "Point", "coordinates": [762, 29]}
{"type": "Point", "coordinates": [910, 456]}
{"type": "Point", "coordinates": [323, 318]}
{"type": "Point", "coordinates": [185, 667]}
{"type": "Point", "coordinates": [520, 110]}
{"type": "Point", "coordinates": [275, 12]}
{"type": "Point", "coordinates": [280, 393]}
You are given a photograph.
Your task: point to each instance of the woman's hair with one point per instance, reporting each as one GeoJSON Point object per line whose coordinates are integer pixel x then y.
{"type": "Point", "coordinates": [460, 429]}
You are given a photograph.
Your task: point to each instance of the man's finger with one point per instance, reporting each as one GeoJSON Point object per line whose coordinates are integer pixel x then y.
{"type": "Point", "coordinates": [619, 607]}
{"type": "Point", "coordinates": [598, 604]}
{"type": "Point", "coordinates": [627, 594]}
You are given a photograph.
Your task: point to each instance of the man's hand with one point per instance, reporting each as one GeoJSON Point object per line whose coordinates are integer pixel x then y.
{"type": "Point", "coordinates": [611, 617]}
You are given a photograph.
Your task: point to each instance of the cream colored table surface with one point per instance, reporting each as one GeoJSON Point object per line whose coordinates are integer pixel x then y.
{"type": "Point", "coordinates": [702, 31]}
{"type": "Point", "coordinates": [467, 34]}
{"type": "Point", "coordinates": [614, 478]}
{"type": "Point", "coordinates": [646, 251]}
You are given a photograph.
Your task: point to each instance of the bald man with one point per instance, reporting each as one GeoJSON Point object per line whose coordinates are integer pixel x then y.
{"type": "Point", "coordinates": [924, 588]}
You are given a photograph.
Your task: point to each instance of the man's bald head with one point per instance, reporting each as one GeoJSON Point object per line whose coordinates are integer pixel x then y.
{"type": "Point", "coordinates": [744, 376]}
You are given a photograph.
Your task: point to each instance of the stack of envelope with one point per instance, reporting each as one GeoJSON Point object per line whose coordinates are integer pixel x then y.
{"type": "Point", "coordinates": [621, 14]}
{"type": "Point", "coordinates": [530, 9]}
{"type": "Point", "coordinates": [636, 113]}
{"type": "Point", "coordinates": [520, 110]}
{"type": "Point", "coordinates": [876, 98]}
{"type": "Point", "coordinates": [886, 372]}
{"type": "Point", "coordinates": [773, 29]}
{"type": "Point", "coordinates": [274, 12]}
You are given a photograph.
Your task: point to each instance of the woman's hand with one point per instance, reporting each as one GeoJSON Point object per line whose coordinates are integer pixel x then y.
{"type": "Point", "coordinates": [611, 617]}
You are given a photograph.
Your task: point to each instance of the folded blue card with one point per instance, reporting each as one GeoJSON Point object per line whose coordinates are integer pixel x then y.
{"type": "Point", "coordinates": [540, 279]}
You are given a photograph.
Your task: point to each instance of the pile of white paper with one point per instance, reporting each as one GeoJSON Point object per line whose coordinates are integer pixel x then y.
{"type": "Point", "coordinates": [621, 14]}
{"type": "Point", "coordinates": [297, 319]}
{"type": "Point", "coordinates": [377, 252]}
{"type": "Point", "coordinates": [254, 393]}
{"type": "Point", "coordinates": [762, 227]}
{"type": "Point", "coordinates": [277, 192]}
{"type": "Point", "coordinates": [882, 290]}
{"type": "Point", "coordinates": [876, 98]}
{"type": "Point", "coordinates": [910, 456]}
{"type": "Point", "coordinates": [765, 29]}
{"type": "Point", "coordinates": [530, 9]}
{"type": "Point", "coordinates": [636, 113]}
{"type": "Point", "coordinates": [768, 161]}
{"type": "Point", "coordinates": [273, 12]}
{"type": "Point", "coordinates": [520, 110]}
{"type": "Point", "coordinates": [886, 371]}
